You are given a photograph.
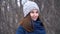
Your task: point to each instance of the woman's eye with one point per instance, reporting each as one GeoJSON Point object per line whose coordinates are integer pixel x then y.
{"type": "Point", "coordinates": [32, 12]}
{"type": "Point", "coordinates": [37, 12]}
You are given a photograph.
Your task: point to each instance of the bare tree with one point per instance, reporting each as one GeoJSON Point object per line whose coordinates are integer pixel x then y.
{"type": "Point", "coordinates": [10, 15]}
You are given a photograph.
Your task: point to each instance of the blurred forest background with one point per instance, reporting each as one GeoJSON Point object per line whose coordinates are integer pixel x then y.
{"type": "Point", "coordinates": [11, 12]}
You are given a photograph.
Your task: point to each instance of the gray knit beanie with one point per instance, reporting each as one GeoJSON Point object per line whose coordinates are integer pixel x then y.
{"type": "Point", "coordinates": [28, 6]}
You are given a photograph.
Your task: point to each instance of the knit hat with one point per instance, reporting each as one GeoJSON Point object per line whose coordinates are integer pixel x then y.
{"type": "Point", "coordinates": [28, 6]}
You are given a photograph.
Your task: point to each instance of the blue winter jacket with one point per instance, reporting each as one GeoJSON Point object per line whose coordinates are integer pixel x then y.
{"type": "Point", "coordinates": [38, 29]}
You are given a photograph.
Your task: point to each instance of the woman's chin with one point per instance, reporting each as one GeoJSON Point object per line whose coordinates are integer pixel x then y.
{"type": "Point", "coordinates": [34, 19]}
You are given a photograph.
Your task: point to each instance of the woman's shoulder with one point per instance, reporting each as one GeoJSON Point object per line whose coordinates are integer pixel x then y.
{"type": "Point", "coordinates": [20, 30]}
{"type": "Point", "coordinates": [20, 27]}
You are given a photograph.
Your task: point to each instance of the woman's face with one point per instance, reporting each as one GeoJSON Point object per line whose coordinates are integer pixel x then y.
{"type": "Point", "coordinates": [34, 14]}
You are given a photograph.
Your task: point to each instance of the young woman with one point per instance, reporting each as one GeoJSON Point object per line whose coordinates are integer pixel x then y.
{"type": "Point", "coordinates": [31, 23]}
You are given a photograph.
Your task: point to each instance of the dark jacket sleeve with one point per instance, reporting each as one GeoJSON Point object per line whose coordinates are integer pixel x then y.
{"type": "Point", "coordinates": [20, 30]}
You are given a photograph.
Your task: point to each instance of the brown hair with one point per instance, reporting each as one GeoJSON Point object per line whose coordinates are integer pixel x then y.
{"type": "Point", "coordinates": [26, 23]}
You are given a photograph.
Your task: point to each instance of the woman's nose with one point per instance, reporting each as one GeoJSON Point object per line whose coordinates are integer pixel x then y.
{"type": "Point", "coordinates": [34, 14]}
